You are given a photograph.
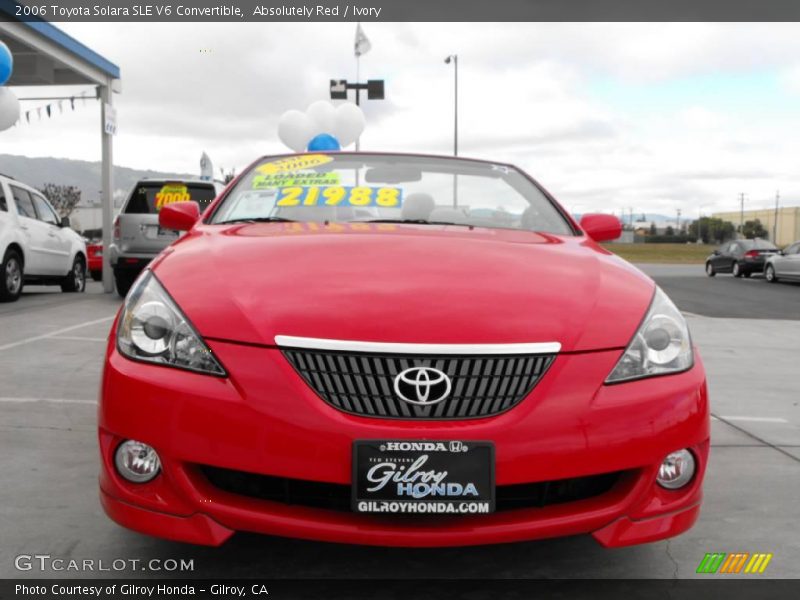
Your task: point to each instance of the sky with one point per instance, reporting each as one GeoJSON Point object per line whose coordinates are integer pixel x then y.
{"type": "Point", "coordinates": [608, 117]}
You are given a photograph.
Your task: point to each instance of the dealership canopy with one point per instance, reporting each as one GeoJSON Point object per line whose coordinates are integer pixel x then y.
{"type": "Point", "coordinates": [46, 56]}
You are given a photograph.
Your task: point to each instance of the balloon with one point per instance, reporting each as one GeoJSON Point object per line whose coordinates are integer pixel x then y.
{"type": "Point", "coordinates": [322, 115]}
{"type": "Point", "coordinates": [6, 63]}
{"type": "Point", "coordinates": [350, 123]}
{"type": "Point", "coordinates": [324, 142]}
{"type": "Point", "coordinates": [295, 129]}
{"type": "Point", "coordinates": [9, 108]}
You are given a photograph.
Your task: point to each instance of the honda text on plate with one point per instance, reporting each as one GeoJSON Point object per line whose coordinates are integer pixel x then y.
{"type": "Point", "coordinates": [398, 350]}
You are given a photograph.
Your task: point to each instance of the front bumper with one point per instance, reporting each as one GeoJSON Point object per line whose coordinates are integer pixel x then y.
{"type": "Point", "coordinates": [265, 419]}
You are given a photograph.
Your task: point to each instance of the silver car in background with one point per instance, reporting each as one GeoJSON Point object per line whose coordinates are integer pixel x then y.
{"type": "Point", "coordinates": [137, 238]}
{"type": "Point", "coordinates": [784, 265]}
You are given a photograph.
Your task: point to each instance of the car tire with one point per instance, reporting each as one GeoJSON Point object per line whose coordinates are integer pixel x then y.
{"type": "Point", "coordinates": [710, 271]}
{"type": "Point", "coordinates": [747, 274]}
{"type": "Point", "coordinates": [124, 280]}
{"type": "Point", "coordinates": [12, 277]}
{"type": "Point", "coordinates": [97, 275]}
{"type": "Point", "coordinates": [737, 270]}
{"type": "Point", "coordinates": [75, 281]}
{"type": "Point", "coordinates": [769, 274]}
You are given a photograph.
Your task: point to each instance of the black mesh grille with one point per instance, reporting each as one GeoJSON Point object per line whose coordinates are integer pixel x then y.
{"type": "Point", "coordinates": [363, 384]}
{"type": "Point", "coordinates": [333, 496]}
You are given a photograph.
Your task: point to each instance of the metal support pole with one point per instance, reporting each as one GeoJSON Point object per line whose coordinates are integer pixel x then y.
{"type": "Point", "coordinates": [455, 103]}
{"type": "Point", "coordinates": [775, 224]}
{"type": "Point", "coordinates": [107, 183]}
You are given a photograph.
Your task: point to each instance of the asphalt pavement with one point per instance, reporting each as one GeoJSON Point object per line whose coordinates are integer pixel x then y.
{"type": "Point", "coordinates": [51, 348]}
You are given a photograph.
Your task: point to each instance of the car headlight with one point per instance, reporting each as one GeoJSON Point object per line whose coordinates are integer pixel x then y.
{"type": "Point", "coordinates": [662, 344]}
{"type": "Point", "coordinates": [153, 329]}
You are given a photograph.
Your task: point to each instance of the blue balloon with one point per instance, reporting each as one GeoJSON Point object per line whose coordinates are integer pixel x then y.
{"type": "Point", "coordinates": [323, 142]}
{"type": "Point", "coordinates": [6, 63]}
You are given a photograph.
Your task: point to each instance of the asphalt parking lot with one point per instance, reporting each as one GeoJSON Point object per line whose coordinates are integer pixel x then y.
{"type": "Point", "coordinates": [51, 348]}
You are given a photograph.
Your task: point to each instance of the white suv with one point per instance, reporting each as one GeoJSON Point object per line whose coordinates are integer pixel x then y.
{"type": "Point", "coordinates": [36, 245]}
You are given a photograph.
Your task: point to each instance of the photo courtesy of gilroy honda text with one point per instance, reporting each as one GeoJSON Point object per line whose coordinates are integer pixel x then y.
{"type": "Point", "coordinates": [527, 383]}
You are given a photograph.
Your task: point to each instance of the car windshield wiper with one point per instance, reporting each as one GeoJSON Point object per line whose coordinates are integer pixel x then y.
{"type": "Point", "coordinates": [415, 222]}
{"type": "Point", "coordinates": [257, 220]}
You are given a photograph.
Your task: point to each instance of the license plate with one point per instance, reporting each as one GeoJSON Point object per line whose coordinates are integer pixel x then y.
{"type": "Point", "coordinates": [168, 232]}
{"type": "Point", "coordinates": [423, 477]}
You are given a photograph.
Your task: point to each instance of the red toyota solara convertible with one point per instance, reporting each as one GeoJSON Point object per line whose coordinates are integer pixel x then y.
{"type": "Point", "coordinates": [398, 350]}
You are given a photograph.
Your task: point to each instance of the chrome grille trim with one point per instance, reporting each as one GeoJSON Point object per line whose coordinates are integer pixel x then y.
{"type": "Point", "coordinates": [289, 341]}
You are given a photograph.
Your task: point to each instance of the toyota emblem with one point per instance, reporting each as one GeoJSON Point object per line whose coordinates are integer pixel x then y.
{"type": "Point", "coordinates": [423, 386]}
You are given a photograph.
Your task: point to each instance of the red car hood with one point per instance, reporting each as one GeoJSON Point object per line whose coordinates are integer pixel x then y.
{"type": "Point", "coordinates": [403, 283]}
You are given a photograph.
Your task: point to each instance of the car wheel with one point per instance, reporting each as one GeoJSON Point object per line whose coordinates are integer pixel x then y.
{"type": "Point", "coordinates": [737, 270]}
{"type": "Point", "coordinates": [124, 281]}
{"type": "Point", "coordinates": [97, 275]}
{"type": "Point", "coordinates": [11, 277]}
{"type": "Point", "coordinates": [710, 269]}
{"type": "Point", "coordinates": [769, 274]}
{"type": "Point", "coordinates": [75, 281]}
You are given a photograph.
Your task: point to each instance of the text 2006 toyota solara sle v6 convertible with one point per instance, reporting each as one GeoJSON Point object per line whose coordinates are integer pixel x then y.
{"type": "Point", "coordinates": [398, 350]}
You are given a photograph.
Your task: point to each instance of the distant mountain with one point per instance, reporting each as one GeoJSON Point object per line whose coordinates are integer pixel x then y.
{"type": "Point", "coordinates": [81, 173]}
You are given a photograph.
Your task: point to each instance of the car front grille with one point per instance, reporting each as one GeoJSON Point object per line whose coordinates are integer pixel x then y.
{"type": "Point", "coordinates": [333, 496]}
{"type": "Point", "coordinates": [363, 383]}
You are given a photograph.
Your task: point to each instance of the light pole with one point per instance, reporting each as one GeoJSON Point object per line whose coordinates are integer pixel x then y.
{"type": "Point", "coordinates": [454, 59]}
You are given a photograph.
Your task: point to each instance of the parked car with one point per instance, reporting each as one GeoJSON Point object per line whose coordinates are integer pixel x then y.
{"type": "Point", "coordinates": [36, 245]}
{"type": "Point", "coordinates": [137, 236]}
{"type": "Point", "coordinates": [784, 265]}
{"type": "Point", "coordinates": [94, 251]}
{"type": "Point", "coordinates": [741, 258]}
{"type": "Point", "coordinates": [295, 367]}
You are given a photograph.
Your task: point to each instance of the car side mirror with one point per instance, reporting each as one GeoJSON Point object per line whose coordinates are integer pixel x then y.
{"type": "Point", "coordinates": [716, 253]}
{"type": "Point", "coordinates": [601, 228]}
{"type": "Point", "coordinates": [64, 222]}
{"type": "Point", "coordinates": [180, 216]}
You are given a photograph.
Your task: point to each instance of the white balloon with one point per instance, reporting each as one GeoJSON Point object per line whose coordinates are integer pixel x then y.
{"type": "Point", "coordinates": [350, 123]}
{"type": "Point", "coordinates": [9, 108]}
{"type": "Point", "coordinates": [295, 130]}
{"type": "Point", "coordinates": [323, 116]}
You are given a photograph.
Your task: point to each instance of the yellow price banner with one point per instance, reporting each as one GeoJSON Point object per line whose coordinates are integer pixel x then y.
{"type": "Point", "coordinates": [171, 193]}
{"type": "Point", "coordinates": [293, 164]}
{"type": "Point", "coordinates": [338, 195]}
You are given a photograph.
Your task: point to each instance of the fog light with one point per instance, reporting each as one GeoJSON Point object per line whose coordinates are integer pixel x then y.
{"type": "Point", "coordinates": [676, 470]}
{"type": "Point", "coordinates": [137, 462]}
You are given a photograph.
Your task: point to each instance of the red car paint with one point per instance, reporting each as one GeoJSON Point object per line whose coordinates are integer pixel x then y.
{"type": "Point", "coordinates": [95, 266]}
{"type": "Point", "coordinates": [406, 284]}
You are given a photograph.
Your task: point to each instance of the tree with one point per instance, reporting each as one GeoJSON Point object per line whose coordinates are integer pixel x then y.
{"type": "Point", "coordinates": [711, 230]}
{"type": "Point", "coordinates": [653, 230]}
{"type": "Point", "coordinates": [670, 230]}
{"type": "Point", "coordinates": [64, 198]}
{"type": "Point", "coordinates": [754, 229]}
{"type": "Point", "coordinates": [228, 176]}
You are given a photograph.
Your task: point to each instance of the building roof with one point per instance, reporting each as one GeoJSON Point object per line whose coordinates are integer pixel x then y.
{"type": "Point", "coordinates": [45, 55]}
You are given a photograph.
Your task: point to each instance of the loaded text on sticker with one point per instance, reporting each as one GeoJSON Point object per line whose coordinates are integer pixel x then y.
{"type": "Point", "coordinates": [337, 195]}
{"type": "Point", "coordinates": [171, 193]}
{"type": "Point", "coordinates": [280, 180]}
{"type": "Point", "coordinates": [293, 164]}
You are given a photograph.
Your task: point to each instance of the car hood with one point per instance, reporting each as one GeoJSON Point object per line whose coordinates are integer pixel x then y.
{"type": "Point", "coordinates": [403, 283]}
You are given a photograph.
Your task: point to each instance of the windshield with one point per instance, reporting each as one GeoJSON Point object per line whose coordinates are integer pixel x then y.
{"type": "Point", "coordinates": [150, 197]}
{"type": "Point", "coordinates": [363, 187]}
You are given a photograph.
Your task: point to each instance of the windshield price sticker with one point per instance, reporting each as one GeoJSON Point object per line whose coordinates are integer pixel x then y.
{"type": "Point", "coordinates": [283, 180]}
{"type": "Point", "coordinates": [293, 164]}
{"type": "Point", "coordinates": [172, 193]}
{"type": "Point", "coordinates": [337, 195]}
